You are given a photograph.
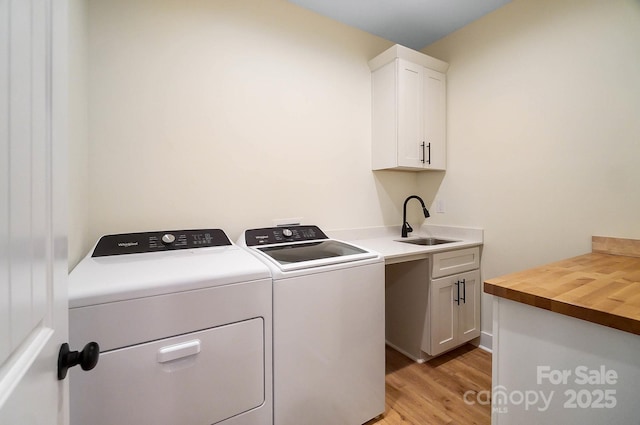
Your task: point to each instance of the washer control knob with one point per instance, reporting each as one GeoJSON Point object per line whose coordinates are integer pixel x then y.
{"type": "Point", "coordinates": [287, 233]}
{"type": "Point", "coordinates": [168, 239]}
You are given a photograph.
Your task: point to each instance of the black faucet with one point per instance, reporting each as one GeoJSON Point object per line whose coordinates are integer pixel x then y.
{"type": "Point", "coordinates": [405, 226]}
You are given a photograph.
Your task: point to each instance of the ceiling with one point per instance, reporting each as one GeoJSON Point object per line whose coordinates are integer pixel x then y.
{"type": "Point", "coordinates": [412, 23]}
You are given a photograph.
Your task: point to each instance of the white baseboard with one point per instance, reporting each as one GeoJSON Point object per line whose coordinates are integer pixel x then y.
{"type": "Point", "coordinates": [486, 341]}
{"type": "Point", "coordinates": [400, 350]}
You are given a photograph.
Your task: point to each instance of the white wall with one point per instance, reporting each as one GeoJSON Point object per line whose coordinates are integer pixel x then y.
{"type": "Point", "coordinates": [543, 130]}
{"type": "Point", "coordinates": [78, 148]}
{"type": "Point", "coordinates": [230, 114]}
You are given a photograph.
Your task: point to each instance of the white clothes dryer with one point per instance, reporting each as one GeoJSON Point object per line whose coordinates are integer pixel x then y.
{"type": "Point", "coordinates": [184, 323]}
{"type": "Point", "coordinates": [328, 326]}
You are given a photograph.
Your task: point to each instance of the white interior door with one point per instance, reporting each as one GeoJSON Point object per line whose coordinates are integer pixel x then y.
{"type": "Point", "coordinates": [33, 242]}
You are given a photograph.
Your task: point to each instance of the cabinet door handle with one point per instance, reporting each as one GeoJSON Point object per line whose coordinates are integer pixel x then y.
{"type": "Point", "coordinates": [457, 300]}
{"type": "Point", "coordinates": [429, 151]}
{"type": "Point", "coordinates": [464, 291]}
{"type": "Point", "coordinates": [423, 156]}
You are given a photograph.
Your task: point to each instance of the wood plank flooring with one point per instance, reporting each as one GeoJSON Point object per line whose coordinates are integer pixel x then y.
{"type": "Point", "coordinates": [432, 392]}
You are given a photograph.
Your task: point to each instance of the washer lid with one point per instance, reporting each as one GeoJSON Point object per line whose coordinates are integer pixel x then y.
{"type": "Point", "coordinates": [299, 247]}
{"type": "Point", "coordinates": [304, 255]}
{"type": "Point", "coordinates": [98, 280]}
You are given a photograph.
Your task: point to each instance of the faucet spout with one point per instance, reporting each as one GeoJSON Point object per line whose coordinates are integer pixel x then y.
{"type": "Point", "coordinates": [406, 228]}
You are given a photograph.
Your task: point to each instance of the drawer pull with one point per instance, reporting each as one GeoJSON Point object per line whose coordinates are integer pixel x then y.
{"type": "Point", "coordinates": [178, 351]}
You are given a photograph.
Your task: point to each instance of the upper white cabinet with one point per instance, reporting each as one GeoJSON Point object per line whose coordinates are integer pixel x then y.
{"type": "Point", "coordinates": [409, 110]}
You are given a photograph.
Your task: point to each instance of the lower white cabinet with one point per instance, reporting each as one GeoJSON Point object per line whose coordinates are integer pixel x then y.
{"type": "Point", "coordinates": [433, 304]}
{"type": "Point", "coordinates": [453, 312]}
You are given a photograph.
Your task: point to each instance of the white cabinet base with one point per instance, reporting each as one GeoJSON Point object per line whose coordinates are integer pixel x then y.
{"type": "Point", "coordinates": [549, 368]}
{"type": "Point", "coordinates": [426, 317]}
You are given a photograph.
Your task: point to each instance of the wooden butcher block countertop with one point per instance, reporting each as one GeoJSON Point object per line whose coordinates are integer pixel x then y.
{"type": "Point", "coordinates": [602, 287]}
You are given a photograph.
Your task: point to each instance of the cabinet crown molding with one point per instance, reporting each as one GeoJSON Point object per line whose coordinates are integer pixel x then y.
{"type": "Point", "coordinates": [398, 51]}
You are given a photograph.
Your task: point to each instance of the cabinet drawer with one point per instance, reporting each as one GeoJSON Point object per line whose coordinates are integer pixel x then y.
{"type": "Point", "coordinates": [458, 261]}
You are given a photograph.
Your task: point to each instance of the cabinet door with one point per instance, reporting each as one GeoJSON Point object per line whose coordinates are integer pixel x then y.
{"type": "Point", "coordinates": [454, 311]}
{"type": "Point", "coordinates": [443, 314]}
{"type": "Point", "coordinates": [410, 114]}
{"type": "Point", "coordinates": [469, 309]}
{"type": "Point", "coordinates": [434, 118]}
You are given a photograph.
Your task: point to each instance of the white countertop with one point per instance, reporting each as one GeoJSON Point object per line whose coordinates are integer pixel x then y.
{"type": "Point", "coordinates": [385, 240]}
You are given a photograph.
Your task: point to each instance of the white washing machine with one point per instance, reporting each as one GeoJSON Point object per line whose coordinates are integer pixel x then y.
{"type": "Point", "coordinates": [184, 324]}
{"type": "Point", "coordinates": [328, 326]}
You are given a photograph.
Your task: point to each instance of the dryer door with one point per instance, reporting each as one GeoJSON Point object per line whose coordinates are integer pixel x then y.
{"type": "Point", "coordinates": [199, 378]}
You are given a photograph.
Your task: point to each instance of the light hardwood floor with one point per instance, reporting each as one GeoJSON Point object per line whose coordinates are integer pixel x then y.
{"type": "Point", "coordinates": [433, 392]}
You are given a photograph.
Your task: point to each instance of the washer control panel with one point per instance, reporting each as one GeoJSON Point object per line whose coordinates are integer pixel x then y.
{"type": "Point", "coordinates": [136, 243]}
{"type": "Point", "coordinates": [274, 235]}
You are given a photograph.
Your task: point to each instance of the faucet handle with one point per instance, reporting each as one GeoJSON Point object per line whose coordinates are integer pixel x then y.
{"type": "Point", "coordinates": [406, 228]}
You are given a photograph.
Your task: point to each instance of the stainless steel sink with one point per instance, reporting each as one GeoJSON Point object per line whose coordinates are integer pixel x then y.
{"type": "Point", "coordinates": [426, 241]}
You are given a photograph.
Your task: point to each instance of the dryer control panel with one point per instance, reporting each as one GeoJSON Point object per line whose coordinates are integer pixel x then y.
{"type": "Point", "coordinates": [274, 235]}
{"type": "Point", "coordinates": [136, 243]}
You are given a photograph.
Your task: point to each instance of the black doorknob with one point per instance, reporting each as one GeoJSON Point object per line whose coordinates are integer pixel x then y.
{"type": "Point", "coordinates": [87, 358]}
